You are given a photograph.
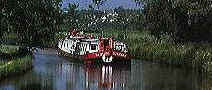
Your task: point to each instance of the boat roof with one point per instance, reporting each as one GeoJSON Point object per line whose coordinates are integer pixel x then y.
{"type": "Point", "coordinates": [91, 40]}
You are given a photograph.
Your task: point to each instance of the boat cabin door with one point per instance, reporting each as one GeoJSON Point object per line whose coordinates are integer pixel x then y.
{"type": "Point", "coordinates": [106, 44]}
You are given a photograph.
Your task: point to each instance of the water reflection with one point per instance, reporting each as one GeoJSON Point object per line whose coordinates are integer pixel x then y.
{"type": "Point", "coordinates": [52, 72]}
{"type": "Point", "coordinates": [107, 76]}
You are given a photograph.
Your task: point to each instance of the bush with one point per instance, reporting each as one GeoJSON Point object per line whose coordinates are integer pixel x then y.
{"type": "Point", "coordinates": [14, 67]}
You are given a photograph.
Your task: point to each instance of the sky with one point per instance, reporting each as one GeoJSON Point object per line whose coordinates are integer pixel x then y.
{"type": "Point", "coordinates": [108, 4]}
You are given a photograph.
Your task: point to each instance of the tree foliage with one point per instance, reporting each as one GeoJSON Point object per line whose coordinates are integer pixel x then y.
{"type": "Point", "coordinates": [185, 20]}
{"type": "Point", "coordinates": [34, 21]}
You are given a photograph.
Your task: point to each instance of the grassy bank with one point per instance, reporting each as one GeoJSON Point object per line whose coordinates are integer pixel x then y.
{"type": "Point", "coordinates": [14, 61]}
{"type": "Point", "coordinates": [144, 46]}
{"type": "Point", "coordinates": [16, 66]}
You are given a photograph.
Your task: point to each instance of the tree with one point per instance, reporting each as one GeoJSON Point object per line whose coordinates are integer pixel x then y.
{"type": "Point", "coordinates": [34, 21]}
{"type": "Point", "coordinates": [4, 23]}
{"type": "Point", "coordinates": [185, 20]}
{"type": "Point", "coordinates": [72, 16]}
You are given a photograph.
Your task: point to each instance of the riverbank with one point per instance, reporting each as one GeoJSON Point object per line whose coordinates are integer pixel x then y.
{"type": "Point", "coordinates": [144, 46]}
{"type": "Point", "coordinates": [13, 61]}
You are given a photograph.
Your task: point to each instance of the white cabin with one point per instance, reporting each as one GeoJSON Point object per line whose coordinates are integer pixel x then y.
{"type": "Point", "coordinates": [78, 46]}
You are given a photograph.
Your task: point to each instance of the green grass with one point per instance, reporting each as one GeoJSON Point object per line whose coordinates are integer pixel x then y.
{"type": "Point", "coordinates": [14, 60]}
{"type": "Point", "coordinates": [10, 52]}
{"type": "Point", "coordinates": [2, 63]}
{"type": "Point", "coordinates": [16, 66]}
{"type": "Point", "coordinates": [9, 48]}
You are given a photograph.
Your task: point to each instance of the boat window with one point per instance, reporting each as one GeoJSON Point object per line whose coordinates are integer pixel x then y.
{"type": "Point", "coordinates": [93, 46]}
{"type": "Point", "coordinates": [118, 47]}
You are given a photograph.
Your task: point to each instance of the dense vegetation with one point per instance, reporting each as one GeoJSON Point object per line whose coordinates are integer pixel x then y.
{"type": "Point", "coordinates": [144, 46]}
{"type": "Point", "coordinates": [174, 31]}
{"type": "Point", "coordinates": [34, 21]}
{"type": "Point", "coordinates": [184, 20]}
{"type": "Point", "coordinates": [14, 60]}
{"type": "Point", "coordinates": [16, 66]}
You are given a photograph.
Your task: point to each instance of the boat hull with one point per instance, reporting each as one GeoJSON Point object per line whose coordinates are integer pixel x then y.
{"type": "Point", "coordinates": [95, 57]}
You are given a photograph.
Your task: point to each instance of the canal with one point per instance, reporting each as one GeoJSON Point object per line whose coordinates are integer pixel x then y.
{"type": "Point", "coordinates": [52, 72]}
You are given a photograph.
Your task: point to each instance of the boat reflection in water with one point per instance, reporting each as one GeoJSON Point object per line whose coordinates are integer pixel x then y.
{"type": "Point", "coordinates": [106, 76]}
{"type": "Point", "coordinates": [53, 72]}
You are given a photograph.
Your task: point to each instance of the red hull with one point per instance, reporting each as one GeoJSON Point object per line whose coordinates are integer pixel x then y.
{"type": "Point", "coordinates": [97, 57]}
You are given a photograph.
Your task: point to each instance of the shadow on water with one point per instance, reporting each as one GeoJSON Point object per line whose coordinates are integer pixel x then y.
{"type": "Point", "coordinates": [52, 72]}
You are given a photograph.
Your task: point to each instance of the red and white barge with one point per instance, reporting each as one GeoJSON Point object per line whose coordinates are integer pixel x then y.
{"type": "Point", "coordinates": [87, 48]}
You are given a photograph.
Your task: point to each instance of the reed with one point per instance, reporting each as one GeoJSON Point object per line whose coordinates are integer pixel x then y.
{"type": "Point", "coordinates": [11, 52]}
{"type": "Point", "coordinates": [144, 46]}
{"type": "Point", "coordinates": [9, 48]}
{"type": "Point", "coordinates": [14, 67]}
{"type": "Point", "coordinates": [14, 60]}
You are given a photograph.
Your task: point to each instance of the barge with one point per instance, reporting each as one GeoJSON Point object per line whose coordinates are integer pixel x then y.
{"type": "Point", "coordinates": [86, 47]}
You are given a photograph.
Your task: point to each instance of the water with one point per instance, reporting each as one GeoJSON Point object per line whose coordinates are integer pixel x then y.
{"type": "Point", "coordinates": [52, 72]}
